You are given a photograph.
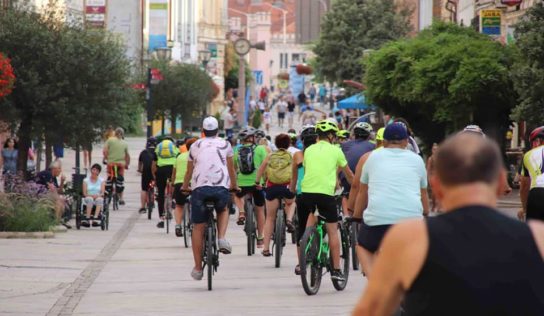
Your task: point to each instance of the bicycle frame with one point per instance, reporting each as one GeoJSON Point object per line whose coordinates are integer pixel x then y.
{"type": "Point", "coordinates": [323, 246]}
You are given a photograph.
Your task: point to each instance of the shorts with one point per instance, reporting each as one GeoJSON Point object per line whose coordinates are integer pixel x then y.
{"type": "Point", "coordinates": [370, 237]}
{"type": "Point", "coordinates": [146, 181]}
{"type": "Point", "coordinates": [281, 116]}
{"type": "Point", "coordinates": [535, 204]}
{"type": "Point", "coordinates": [290, 114]}
{"type": "Point", "coordinates": [258, 195]}
{"type": "Point", "coordinates": [220, 195]}
{"type": "Point", "coordinates": [180, 198]}
{"type": "Point", "coordinates": [307, 203]}
{"type": "Point", "coordinates": [120, 169]}
{"type": "Point", "coordinates": [99, 201]}
{"type": "Point", "coordinates": [278, 191]}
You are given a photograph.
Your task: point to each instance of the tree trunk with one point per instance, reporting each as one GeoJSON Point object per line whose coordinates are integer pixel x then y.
{"type": "Point", "coordinates": [162, 125]}
{"type": "Point", "coordinates": [48, 152]}
{"type": "Point", "coordinates": [24, 144]}
{"type": "Point", "coordinates": [173, 123]}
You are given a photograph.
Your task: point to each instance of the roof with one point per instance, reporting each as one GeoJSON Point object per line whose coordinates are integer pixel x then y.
{"type": "Point", "coordinates": [248, 6]}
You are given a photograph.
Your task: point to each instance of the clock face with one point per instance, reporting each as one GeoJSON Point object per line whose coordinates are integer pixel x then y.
{"type": "Point", "coordinates": [242, 46]}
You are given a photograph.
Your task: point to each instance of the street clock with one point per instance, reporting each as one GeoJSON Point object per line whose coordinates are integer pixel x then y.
{"type": "Point", "coordinates": [242, 46]}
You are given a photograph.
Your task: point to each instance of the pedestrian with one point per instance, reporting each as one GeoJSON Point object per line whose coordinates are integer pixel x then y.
{"type": "Point", "coordinates": [322, 94]}
{"type": "Point", "coordinates": [87, 154]}
{"type": "Point", "coordinates": [267, 119]}
{"type": "Point", "coordinates": [312, 93]}
{"type": "Point", "coordinates": [282, 109]}
{"type": "Point", "coordinates": [262, 105]}
{"type": "Point", "coordinates": [455, 263]}
{"type": "Point", "coordinates": [9, 163]}
{"type": "Point", "coordinates": [290, 111]}
{"type": "Point", "coordinates": [229, 120]}
{"type": "Point", "coordinates": [48, 179]}
{"type": "Point", "coordinates": [302, 98]}
{"type": "Point", "coordinates": [252, 104]}
{"type": "Point", "coordinates": [58, 150]}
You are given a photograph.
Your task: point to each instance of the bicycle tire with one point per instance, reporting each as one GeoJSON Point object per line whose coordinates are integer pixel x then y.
{"type": "Point", "coordinates": [115, 201]}
{"type": "Point", "coordinates": [309, 249]}
{"type": "Point", "coordinates": [167, 212]}
{"type": "Point", "coordinates": [294, 234]}
{"type": "Point", "coordinates": [250, 228]}
{"type": "Point", "coordinates": [344, 258]}
{"type": "Point", "coordinates": [209, 255]}
{"type": "Point", "coordinates": [150, 203]}
{"type": "Point", "coordinates": [78, 215]}
{"type": "Point", "coordinates": [278, 237]}
{"type": "Point", "coordinates": [187, 231]}
{"type": "Point", "coordinates": [353, 245]}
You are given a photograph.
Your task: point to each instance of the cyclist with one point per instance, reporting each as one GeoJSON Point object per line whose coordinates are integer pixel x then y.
{"type": "Point", "coordinates": [532, 178]}
{"type": "Point", "coordinates": [393, 188]}
{"type": "Point", "coordinates": [342, 136]}
{"type": "Point", "coordinates": [321, 162]}
{"type": "Point", "coordinates": [166, 153]}
{"type": "Point", "coordinates": [178, 174]}
{"type": "Point", "coordinates": [278, 170]}
{"type": "Point", "coordinates": [455, 263]}
{"type": "Point", "coordinates": [145, 167]}
{"type": "Point", "coordinates": [116, 155]}
{"type": "Point", "coordinates": [248, 159]}
{"type": "Point", "coordinates": [354, 149]}
{"type": "Point", "coordinates": [210, 170]}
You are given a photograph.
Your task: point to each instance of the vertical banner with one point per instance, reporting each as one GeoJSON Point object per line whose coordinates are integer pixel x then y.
{"type": "Point", "coordinates": [490, 22]}
{"type": "Point", "coordinates": [158, 24]}
{"type": "Point", "coordinates": [95, 13]}
{"type": "Point", "coordinates": [296, 81]}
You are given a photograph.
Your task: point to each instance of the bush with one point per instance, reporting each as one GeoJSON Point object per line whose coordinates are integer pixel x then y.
{"type": "Point", "coordinates": [257, 119]}
{"type": "Point", "coordinates": [22, 213]}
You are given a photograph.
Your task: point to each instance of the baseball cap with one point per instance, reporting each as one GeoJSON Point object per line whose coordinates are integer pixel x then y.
{"type": "Point", "coordinates": [210, 124]}
{"type": "Point", "coordinates": [395, 131]}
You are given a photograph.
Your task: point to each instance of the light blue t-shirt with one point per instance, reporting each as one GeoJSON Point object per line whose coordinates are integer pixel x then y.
{"type": "Point", "coordinates": [395, 178]}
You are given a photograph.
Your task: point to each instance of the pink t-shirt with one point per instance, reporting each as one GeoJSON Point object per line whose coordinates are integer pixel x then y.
{"type": "Point", "coordinates": [209, 156]}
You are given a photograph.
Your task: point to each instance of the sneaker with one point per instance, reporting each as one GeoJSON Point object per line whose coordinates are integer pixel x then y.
{"type": "Point", "coordinates": [85, 223]}
{"type": "Point", "coordinates": [337, 275]}
{"type": "Point", "coordinates": [179, 231]}
{"type": "Point", "coordinates": [121, 202]}
{"type": "Point", "coordinates": [96, 224]}
{"type": "Point", "coordinates": [160, 224]}
{"type": "Point", "coordinates": [197, 275]}
{"type": "Point", "coordinates": [224, 247]}
{"type": "Point", "coordinates": [142, 211]}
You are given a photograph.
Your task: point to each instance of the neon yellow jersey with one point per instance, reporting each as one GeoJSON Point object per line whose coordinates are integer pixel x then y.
{"type": "Point", "coordinates": [259, 154]}
{"type": "Point", "coordinates": [161, 162]}
{"type": "Point", "coordinates": [533, 166]}
{"type": "Point", "coordinates": [181, 167]}
{"type": "Point", "coordinates": [321, 162]}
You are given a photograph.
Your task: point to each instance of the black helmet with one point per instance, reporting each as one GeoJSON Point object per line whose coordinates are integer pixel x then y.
{"type": "Point", "coordinates": [151, 142]}
{"type": "Point", "coordinates": [180, 142]}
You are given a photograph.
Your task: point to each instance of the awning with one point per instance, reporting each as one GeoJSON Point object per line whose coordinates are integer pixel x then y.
{"type": "Point", "coordinates": [357, 101]}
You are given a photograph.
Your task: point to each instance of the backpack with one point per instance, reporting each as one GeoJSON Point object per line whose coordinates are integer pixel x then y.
{"type": "Point", "coordinates": [166, 150]}
{"type": "Point", "coordinates": [245, 159]}
{"type": "Point", "coordinates": [279, 169]}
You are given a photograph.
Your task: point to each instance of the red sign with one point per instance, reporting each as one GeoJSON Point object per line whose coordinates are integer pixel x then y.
{"type": "Point", "coordinates": [511, 3]}
{"type": "Point", "coordinates": [95, 10]}
{"type": "Point", "coordinates": [156, 74]}
{"type": "Point", "coordinates": [138, 86]}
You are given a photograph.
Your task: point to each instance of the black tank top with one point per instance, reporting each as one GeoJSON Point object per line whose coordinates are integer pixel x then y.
{"type": "Point", "coordinates": [479, 262]}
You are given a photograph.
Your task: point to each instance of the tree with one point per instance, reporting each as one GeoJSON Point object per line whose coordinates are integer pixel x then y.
{"type": "Point", "coordinates": [232, 67]}
{"type": "Point", "coordinates": [528, 71]}
{"type": "Point", "coordinates": [350, 27]}
{"type": "Point", "coordinates": [185, 91]}
{"type": "Point", "coordinates": [443, 79]}
{"type": "Point", "coordinates": [71, 82]}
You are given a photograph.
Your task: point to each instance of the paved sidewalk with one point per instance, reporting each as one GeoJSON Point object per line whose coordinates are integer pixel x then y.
{"type": "Point", "coordinates": [137, 269]}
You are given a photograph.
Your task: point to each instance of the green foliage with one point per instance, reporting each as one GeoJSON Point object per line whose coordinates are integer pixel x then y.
{"type": "Point", "coordinates": [443, 79]}
{"type": "Point", "coordinates": [528, 71]}
{"type": "Point", "coordinates": [256, 119]}
{"type": "Point", "coordinates": [350, 27]}
{"type": "Point", "coordinates": [24, 214]}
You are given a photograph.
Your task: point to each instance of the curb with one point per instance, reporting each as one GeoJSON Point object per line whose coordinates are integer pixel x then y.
{"type": "Point", "coordinates": [26, 235]}
{"type": "Point", "coordinates": [59, 229]}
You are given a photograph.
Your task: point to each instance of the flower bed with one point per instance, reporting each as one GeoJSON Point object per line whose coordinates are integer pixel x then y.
{"type": "Point", "coordinates": [7, 78]}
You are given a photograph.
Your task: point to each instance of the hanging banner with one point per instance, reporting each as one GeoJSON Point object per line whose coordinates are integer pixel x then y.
{"type": "Point", "coordinates": [490, 22]}
{"type": "Point", "coordinates": [95, 13]}
{"type": "Point", "coordinates": [158, 24]}
{"type": "Point", "coordinates": [511, 3]}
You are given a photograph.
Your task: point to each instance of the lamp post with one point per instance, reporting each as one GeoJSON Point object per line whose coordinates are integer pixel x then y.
{"type": "Point", "coordinates": [164, 53]}
{"type": "Point", "coordinates": [204, 56]}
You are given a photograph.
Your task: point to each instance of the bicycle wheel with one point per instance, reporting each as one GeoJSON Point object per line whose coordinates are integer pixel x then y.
{"type": "Point", "coordinates": [209, 255]}
{"type": "Point", "coordinates": [279, 237]}
{"type": "Point", "coordinates": [250, 228]}
{"type": "Point", "coordinates": [310, 267]}
{"type": "Point", "coordinates": [115, 201]}
{"type": "Point", "coordinates": [187, 226]}
{"type": "Point", "coordinates": [344, 258]}
{"type": "Point", "coordinates": [78, 215]}
{"type": "Point", "coordinates": [294, 234]}
{"type": "Point", "coordinates": [167, 211]}
{"type": "Point", "coordinates": [150, 202]}
{"type": "Point", "coordinates": [353, 229]}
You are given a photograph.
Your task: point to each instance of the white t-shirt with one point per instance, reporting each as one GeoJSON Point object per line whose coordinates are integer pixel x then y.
{"type": "Point", "coordinates": [252, 104]}
{"type": "Point", "coordinates": [282, 107]}
{"type": "Point", "coordinates": [209, 156]}
{"type": "Point", "coordinates": [292, 150]}
{"type": "Point", "coordinates": [266, 117]}
{"type": "Point", "coordinates": [229, 121]}
{"type": "Point", "coordinates": [261, 105]}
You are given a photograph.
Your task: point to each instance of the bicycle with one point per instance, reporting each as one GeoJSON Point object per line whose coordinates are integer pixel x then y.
{"type": "Point", "coordinates": [353, 227]}
{"type": "Point", "coordinates": [168, 205]}
{"type": "Point", "coordinates": [113, 196]}
{"type": "Point", "coordinates": [295, 232]}
{"type": "Point", "coordinates": [280, 235]}
{"type": "Point", "coordinates": [150, 199]}
{"type": "Point", "coordinates": [187, 225]}
{"type": "Point", "coordinates": [315, 256]}
{"type": "Point", "coordinates": [250, 226]}
{"type": "Point", "coordinates": [210, 255]}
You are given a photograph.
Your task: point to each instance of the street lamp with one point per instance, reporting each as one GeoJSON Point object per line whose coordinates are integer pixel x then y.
{"type": "Point", "coordinates": [164, 53]}
{"type": "Point", "coordinates": [204, 56]}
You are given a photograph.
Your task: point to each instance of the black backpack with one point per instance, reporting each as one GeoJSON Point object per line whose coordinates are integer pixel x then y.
{"type": "Point", "coordinates": [245, 159]}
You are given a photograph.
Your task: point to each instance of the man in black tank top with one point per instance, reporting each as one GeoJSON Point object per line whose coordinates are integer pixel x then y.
{"type": "Point", "coordinates": [470, 261]}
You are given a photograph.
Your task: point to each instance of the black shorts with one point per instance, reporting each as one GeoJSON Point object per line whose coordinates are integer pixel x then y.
{"type": "Point", "coordinates": [180, 198]}
{"type": "Point", "coordinates": [281, 115]}
{"type": "Point", "coordinates": [535, 204]}
{"type": "Point", "coordinates": [307, 203]}
{"type": "Point", "coordinates": [258, 195]}
{"type": "Point", "coordinates": [146, 180]}
{"type": "Point", "coordinates": [370, 237]}
{"type": "Point", "coordinates": [278, 191]}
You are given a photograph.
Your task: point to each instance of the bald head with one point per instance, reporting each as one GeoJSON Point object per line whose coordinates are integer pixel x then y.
{"type": "Point", "coordinates": [468, 158]}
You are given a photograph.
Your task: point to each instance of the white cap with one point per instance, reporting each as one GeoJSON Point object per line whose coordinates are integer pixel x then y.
{"type": "Point", "coordinates": [210, 123]}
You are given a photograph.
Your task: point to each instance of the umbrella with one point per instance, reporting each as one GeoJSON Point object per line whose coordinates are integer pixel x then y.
{"type": "Point", "coordinates": [356, 101]}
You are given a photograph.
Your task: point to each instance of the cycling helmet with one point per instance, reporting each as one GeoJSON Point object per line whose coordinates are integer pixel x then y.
{"type": "Point", "coordinates": [362, 129]}
{"type": "Point", "coordinates": [259, 133]}
{"type": "Point", "coordinates": [342, 134]}
{"type": "Point", "coordinates": [379, 134]}
{"type": "Point", "coordinates": [326, 126]}
{"type": "Point", "coordinates": [473, 129]}
{"type": "Point", "coordinates": [247, 132]}
{"type": "Point", "coordinates": [537, 133]}
{"type": "Point", "coordinates": [308, 130]}
{"type": "Point", "coordinates": [180, 142]}
{"type": "Point", "coordinates": [292, 136]}
{"type": "Point", "coordinates": [151, 142]}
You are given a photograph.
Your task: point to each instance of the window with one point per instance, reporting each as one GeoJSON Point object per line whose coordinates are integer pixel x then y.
{"type": "Point", "coordinates": [295, 58]}
{"type": "Point", "coordinates": [284, 60]}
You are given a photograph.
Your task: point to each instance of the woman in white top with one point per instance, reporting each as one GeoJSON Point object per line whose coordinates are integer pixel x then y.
{"type": "Point", "coordinates": [93, 192]}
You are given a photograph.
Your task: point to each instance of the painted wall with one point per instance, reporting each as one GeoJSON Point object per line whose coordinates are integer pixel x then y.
{"type": "Point", "coordinates": [124, 18]}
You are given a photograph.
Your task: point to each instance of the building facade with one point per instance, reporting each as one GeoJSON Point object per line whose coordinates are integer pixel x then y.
{"type": "Point", "coordinates": [308, 19]}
